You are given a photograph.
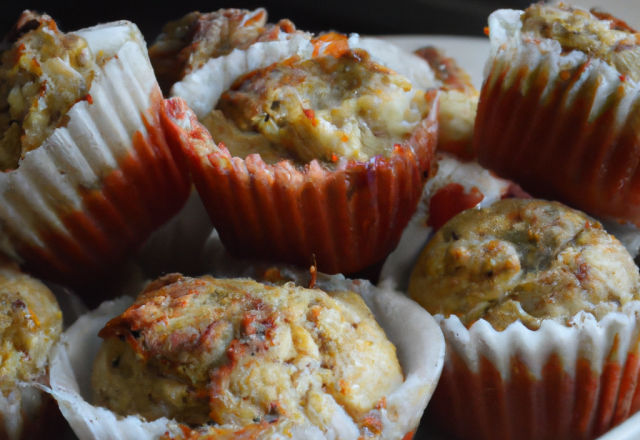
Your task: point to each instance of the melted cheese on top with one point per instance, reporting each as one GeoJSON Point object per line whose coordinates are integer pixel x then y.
{"type": "Point", "coordinates": [326, 108]}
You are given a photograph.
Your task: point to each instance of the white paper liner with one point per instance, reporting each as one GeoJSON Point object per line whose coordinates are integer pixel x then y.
{"type": "Point", "coordinates": [580, 372]}
{"type": "Point", "coordinates": [11, 411]}
{"type": "Point", "coordinates": [49, 181]}
{"type": "Point", "coordinates": [411, 66]}
{"type": "Point", "coordinates": [511, 50]}
{"type": "Point", "coordinates": [397, 268]}
{"type": "Point", "coordinates": [203, 87]}
{"type": "Point", "coordinates": [586, 339]}
{"type": "Point", "coordinates": [416, 335]}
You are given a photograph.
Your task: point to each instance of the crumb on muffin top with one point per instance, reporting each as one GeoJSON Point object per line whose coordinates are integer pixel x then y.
{"type": "Point", "coordinates": [332, 106]}
{"type": "Point", "coordinates": [30, 323]}
{"type": "Point", "coordinates": [239, 353]}
{"type": "Point", "coordinates": [595, 33]}
{"type": "Point", "coordinates": [523, 260]}
{"type": "Point", "coordinates": [42, 75]}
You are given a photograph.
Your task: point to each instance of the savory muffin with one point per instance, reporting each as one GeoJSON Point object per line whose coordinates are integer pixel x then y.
{"type": "Point", "coordinates": [188, 43]}
{"type": "Point", "coordinates": [40, 79]}
{"type": "Point", "coordinates": [558, 110]}
{"type": "Point", "coordinates": [30, 324]}
{"type": "Point", "coordinates": [329, 108]}
{"type": "Point", "coordinates": [245, 355]}
{"type": "Point", "coordinates": [537, 304]}
{"type": "Point", "coordinates": [523, 260]}
{"type": "Point", "coordinates": [79, 128]}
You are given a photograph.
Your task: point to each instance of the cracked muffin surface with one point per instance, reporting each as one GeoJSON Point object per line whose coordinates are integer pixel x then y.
{"type": "Point", "coordinates": [525, 260]}
{"type": "Point", "coordinates": [238, 353]}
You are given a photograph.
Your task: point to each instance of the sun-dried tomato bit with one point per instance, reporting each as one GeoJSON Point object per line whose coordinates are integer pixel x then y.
{"type": "Point", "coordinates": [449, 201]}
{"type": "Point", "coordinates": [331, 43]}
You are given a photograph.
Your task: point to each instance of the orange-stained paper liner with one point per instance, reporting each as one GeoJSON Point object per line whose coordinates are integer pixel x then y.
{"type": "Point", "coordinates": [96, 188]}
{"type": "Point", "coordinates": [349, 218]}
{"type": "Point", "coordinates": [416, 335]}
{"type": "Point", "coordinates": [557, 382]}
{"type": "Point", "coordinates": [564, 126]}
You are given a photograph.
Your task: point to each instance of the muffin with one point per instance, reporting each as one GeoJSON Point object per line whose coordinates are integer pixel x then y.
{"type": "Point", "coordinates": [86, 172]}
{"type": "Point", "coordinates": [458, 103]}
{"type": "Point", "coordinates": [454, 185]}
{"type": "Point", "coordinates": [187, 44]}
{"type": "Point", "coordinates": [30, 324]}
{"type": "Point", "coordinates": [539, 307]}
{"type": "Point", "coordinates": [558, 110]}
{"type": "Point", "coordinates": [321, 156]}
{"type": "Point", "coordinates": [199, 357]}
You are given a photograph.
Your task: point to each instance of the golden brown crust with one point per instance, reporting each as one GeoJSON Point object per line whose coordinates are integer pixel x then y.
{"type": "Point", "coordinates": [524, 260]}
{"type": "Point", "coordinates": [332, 106]}
{"type": "Point", "coordinates": [237, 352]}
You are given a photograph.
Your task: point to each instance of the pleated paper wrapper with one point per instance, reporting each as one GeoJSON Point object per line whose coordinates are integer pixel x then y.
{"type": "Point", "coordinates": [563, 125]}
{"type": "Point", "coordinates": [349, 218]}
{"type": "Point", "coordinates": [557, 382]}
{"type": "Point", "coordinates": [96, 189]}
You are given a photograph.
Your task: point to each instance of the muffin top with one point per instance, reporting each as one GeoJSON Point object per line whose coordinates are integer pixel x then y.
{"type": "Point", "coordinates": [523, 260]}
{"type": "Point", "coordinates": [30, 323]}
{"type": "Point", "coordinates": [42, 75]}
{"type": "Point", "coordinates": [595, 33]}
{"type": "Point", "coordinates": [188, 43]}
{"type": "Point", "coordinates": [332, 106]}
{"type": "Point", "coordinates": [238, 353]}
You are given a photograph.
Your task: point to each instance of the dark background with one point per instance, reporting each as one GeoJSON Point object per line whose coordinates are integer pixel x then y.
{"type": "Point", "coordinates": [373, 17]}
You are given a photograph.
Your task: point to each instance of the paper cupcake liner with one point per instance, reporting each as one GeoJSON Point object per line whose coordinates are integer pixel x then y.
{"type": "Point", "coordinates": [416, 335]}
{"type": "Point", "coordinates": [564, 126]}
{"type": "Point", "coordinates": [28, 413]}
{"type": "Point", "coordinates": [348, 218]}
{"type": "Point", "coordinates": [557, 382]}
{"type": "Point", "coordinates": [407, 64]}
{"type": "Point", "coordinates": [95, 190]}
